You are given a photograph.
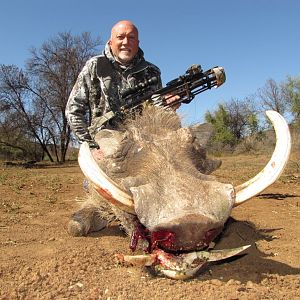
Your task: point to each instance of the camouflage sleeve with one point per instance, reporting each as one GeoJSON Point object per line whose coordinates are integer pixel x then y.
{"type": "Point", "coordinates": [78, 106]}
{"type": "Point", "coordinates": [157, 73]}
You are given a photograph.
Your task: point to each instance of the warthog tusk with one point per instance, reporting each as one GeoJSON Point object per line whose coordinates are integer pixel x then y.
{"type": "Point", "coordinates": [192, 262]}
{"type": "Point", "coordinates": [275, 166]}
{"type": "Point", "coordinates": [182, 266]}
{"type": "Point", "coordinates": [106, 187]}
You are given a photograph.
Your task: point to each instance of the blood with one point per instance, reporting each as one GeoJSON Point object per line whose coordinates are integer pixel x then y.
{"type": "Point", "coordinates": [162, 238]}
{"type": "Point", "coordinates": [139, 233]}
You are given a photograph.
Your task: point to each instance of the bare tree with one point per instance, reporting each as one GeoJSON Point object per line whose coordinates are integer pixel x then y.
{"type": "Point", "coordinates": [54, 69]}
{"type": "Point", "coordinates": [272, 97]}
{"type": "Point", "coordinates": [239, 114]}
{"type": "Point", "coordinates": [16, 109]}
{"type": "Point", "coordinates": [39, 95]}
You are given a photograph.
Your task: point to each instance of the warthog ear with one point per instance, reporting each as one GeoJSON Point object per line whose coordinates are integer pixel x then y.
{"type": "Point", "coordinates": [185, 135]}
{"type": "Point", "coordinates": [202, 133]}
{"type": "Point", "coordinates": [275, 166]}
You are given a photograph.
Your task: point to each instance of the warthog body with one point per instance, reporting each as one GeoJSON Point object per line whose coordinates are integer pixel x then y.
{"type": "Point", "coordinates": [176, 205]}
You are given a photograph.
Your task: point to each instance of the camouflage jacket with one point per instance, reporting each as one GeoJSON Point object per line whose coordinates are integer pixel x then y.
{"type": "Point", "coordinates": [97, 91]}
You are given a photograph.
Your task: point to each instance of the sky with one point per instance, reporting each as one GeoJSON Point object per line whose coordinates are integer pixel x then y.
{"type": "Point", "coordinates": [253, 40]}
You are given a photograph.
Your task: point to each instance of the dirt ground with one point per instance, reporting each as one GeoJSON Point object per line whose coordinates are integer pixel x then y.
{"type": "Point", "coordinates": [39, 260]}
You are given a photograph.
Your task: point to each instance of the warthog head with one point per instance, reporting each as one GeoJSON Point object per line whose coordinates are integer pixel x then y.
{"type": "Point", "coordinates": [154, 172]}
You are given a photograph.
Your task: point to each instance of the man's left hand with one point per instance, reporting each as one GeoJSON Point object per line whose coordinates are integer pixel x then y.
{"type": "Point", "coordinates": [172, 98]}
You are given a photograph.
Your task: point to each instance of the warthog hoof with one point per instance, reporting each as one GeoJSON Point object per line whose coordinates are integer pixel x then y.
{"type": "Point", "coordinates": [76, 228]}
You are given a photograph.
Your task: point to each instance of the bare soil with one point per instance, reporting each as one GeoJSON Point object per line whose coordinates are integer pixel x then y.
{"type": "Point", "coordinates": [39, 260]}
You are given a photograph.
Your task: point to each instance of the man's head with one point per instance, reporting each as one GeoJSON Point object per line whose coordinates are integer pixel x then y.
{"type": "Point", "coordinates": [124, 41]}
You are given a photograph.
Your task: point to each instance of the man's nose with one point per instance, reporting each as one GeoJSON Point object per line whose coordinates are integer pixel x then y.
{"type": "Point", "coordinates": [125, 40]}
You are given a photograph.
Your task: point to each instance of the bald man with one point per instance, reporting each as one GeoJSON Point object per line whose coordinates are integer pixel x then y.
{"type": "Point", "coordinates": [97, 89]}
{"type": "Point", "coordinates": [124, 42]}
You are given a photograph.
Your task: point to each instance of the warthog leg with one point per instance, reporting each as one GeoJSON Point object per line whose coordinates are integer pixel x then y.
{"type": "Point", "coordinates": [86, 220]}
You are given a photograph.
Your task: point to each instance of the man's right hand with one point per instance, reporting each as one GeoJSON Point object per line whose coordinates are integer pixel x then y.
{"type": "Point", "coordinates": [97, 154]}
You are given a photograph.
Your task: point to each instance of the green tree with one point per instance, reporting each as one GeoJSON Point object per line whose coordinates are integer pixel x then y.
{"type": "Point", "coordinates": [292, 92]}
{"type": "Point", "coordinates": [220, 119]}
{"type": "Point", "coordinates": [233, 121]}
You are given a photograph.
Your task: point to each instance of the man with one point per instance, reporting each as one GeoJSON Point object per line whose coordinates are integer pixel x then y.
{"type": "Point", "coordinates": [99, 85]}
{"type": "Point", "coordinates": [97, 91]}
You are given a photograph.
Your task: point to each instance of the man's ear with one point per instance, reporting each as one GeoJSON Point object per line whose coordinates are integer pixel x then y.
{"type": "Point", "coordinates": [109, 42]}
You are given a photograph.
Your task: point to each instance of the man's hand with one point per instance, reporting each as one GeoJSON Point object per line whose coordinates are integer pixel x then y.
{"type": "Point", "coordinates": [97, 154]}
{"type": "Point", "coordinates": [169, 98]}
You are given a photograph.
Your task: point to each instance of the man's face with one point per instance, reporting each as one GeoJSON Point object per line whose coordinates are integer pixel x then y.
{"type": "Point", "coordinates": [124, 42]}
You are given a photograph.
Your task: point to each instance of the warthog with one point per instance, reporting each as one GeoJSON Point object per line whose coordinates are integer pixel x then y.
{"type": "Point", "coordinates": [154, 179]}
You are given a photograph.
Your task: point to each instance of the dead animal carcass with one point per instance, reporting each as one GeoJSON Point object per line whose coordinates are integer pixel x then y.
{"type": "Point", "coordinates": [154, 178]}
